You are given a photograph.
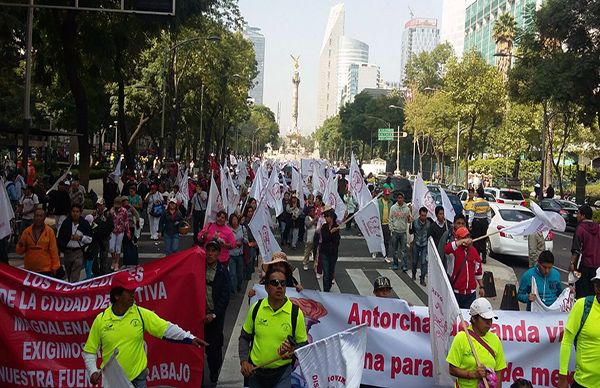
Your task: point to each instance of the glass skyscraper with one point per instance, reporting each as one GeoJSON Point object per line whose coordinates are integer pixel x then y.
{"type": "Point", "coordinates": [481, 16]}
{"type": "Point", "coordinates": [420, 34]}
{"type": "Point", "coordinates": [351, 51]}
{"type": "Point", "coordinates": [254, 35]}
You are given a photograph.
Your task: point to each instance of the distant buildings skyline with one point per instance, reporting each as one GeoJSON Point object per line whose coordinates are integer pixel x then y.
{"type": "Point", "coordinates": [420, 34]}
{"type": "Point", "coordinates": [254, 35]}
{"type": "Point", "coordinates": [352, 51]}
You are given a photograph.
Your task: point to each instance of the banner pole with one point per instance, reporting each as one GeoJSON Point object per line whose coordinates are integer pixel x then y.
{"type": "Point", "coordinates": [487, 235]}
{"type": "Point", "coordinates": [464, 327]}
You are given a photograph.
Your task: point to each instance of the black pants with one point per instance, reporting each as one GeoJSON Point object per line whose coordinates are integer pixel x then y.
{"type": "Point", "coordinates": [213, 334]}
{"type": "Point", "coordinates": [198, 222]}
{"type": "Point", "coordinates": [4, 250]}
{"type": "Point", "coordinates": [464, 301]}
{"type": "Point", "coordinates": [584, 285]}
{"type": "Point", "coordinates": [575, 383]}
{"type": "Point", "coordinates": [479, 228]}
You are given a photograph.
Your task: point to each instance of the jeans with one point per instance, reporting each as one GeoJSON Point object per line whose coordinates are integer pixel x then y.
{"type": "Point", "coordinates": [197, 222]}
{"type": "Point", "coordinates": [249, 270]}
{"type": "Point", "coordinates": [88, 269]}
{"type": "Point", "coordinates": [73, 261]}
{"type": "Point", "coordinates": [385, 228]}
{"type": "Point", "coordinates": [419, 258]}
{"type": "Point", "coordinates": [294, 237]}
{"type": "Point", "coordinates": [464, 301]}
{"type": "Point", "coordinates": [140, 381]}
{"type": "Point", "coordinates": [284, 382]}
{"type": "Point", "coordinates": [328, 262]}
{"type": "Point", "coordinates": [236, 272]}
{"type": "Point", "coordinates": [171, 244]}
{"type": "Point", "coordinates": [398, 248]}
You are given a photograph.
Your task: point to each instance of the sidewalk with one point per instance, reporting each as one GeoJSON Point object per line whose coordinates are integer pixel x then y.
{"type": "Point", "coordinates": [503, 275]}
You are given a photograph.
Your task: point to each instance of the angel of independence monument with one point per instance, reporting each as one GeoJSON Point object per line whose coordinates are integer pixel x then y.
{"type": "Point", "coordinates": [293, 137]}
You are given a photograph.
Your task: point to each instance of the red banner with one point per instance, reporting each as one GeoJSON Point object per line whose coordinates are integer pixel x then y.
{"type": "Point", "coordinates": [44, 323]}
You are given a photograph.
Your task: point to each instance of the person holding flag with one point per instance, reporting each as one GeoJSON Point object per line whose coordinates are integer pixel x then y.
{"type": "Point", "coordinates": [488, 361]}
{"type": "Point", "coordinates": [465, 270]}
{"type": "Point", "coordinates": [547, 280]}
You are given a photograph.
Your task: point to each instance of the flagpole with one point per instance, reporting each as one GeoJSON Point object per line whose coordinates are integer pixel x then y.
{"type": "Point", "coordinates": [487, 235]}
{"type": "Point", "coordinates": [463, 323]}
{"type": "Point", "coordinates": [359, 210]}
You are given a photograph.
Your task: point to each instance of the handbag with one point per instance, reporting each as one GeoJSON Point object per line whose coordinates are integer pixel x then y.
{"type": "Point", "coordinates": [157, 210]}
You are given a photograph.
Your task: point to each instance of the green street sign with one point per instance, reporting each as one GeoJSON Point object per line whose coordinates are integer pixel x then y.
{"type": "Point", "coordinates": [386, 134]}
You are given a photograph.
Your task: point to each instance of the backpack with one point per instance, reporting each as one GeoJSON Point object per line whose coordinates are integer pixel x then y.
{"type": "Point", "coordinates": [587, 307]}
{"type": "Point", "coordinates": [255, 313]}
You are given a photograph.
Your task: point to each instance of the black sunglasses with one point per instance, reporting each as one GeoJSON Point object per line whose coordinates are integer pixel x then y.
{"type": "Point", "coordinates": [276, 282]}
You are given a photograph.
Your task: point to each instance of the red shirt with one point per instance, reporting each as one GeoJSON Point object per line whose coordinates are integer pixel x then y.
{"type": "Point", "coordinates": [466, 283]}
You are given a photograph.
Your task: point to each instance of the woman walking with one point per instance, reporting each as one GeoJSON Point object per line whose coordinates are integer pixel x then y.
{"type": "Point", "coordinates": [250, 246]}
{"type": "Point", "coordinates": [156, 208]}
{"type": "Point", "coordinates": [169, 227]}
{"type": "Point", "coordinates": [236, 254]}
{"type": "Point", "coordinates": [198, 210]}
{"type": "Point", "coordinates": [220, 231]}
{"type": "Point", "coordinates": [130, 250]}
{"type": "Point", "coordinates": [330, 241]}
{"type": "Point", "coordinates": [294, 211]}
{"type": "Point", "coordinates": [121, 227]}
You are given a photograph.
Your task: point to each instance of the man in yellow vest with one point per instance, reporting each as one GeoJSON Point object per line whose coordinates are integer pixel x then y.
{"type": "Point", "coordinates": [121, 326]}
{"type": "Point", "coordinates": [479, 217]}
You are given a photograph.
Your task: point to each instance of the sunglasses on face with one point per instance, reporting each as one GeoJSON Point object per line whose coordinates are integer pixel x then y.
{"type": "Point", "coordinates": [276, 283]}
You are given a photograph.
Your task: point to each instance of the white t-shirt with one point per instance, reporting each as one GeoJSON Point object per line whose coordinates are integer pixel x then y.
{"type": "Point", "coordinates": [29, 203]}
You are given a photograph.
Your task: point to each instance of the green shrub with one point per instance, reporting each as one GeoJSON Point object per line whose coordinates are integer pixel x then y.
{"type": "Point", "coordinates": [596, 216]}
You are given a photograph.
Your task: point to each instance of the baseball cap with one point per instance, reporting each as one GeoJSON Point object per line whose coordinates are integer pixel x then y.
{"type": "Point", "coordinates": [597, 277]}
{"type": "Point", "coordinates": [483, 308]}
{"type": "Point", "coordinates": [381, 282]}
{"type": "Point", "coordinates": [214, 243]}
{"type": "Point", "coordinates": [100, 201]}
{"type": "Point", "coordinates": [386, 192]}
{"type": "Point", "coordinates": [461, 232]}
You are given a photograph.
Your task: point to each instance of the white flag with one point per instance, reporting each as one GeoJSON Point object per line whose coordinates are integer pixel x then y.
{"type": "Point", "coordinates": [274, 196]}
{"type": "Point", "coordinates": [230, 195]}
{"type": "Point", "coordinates": [332, 198]}
{"type": "Point", "coordinates": [113, 375]}
{"type": "Point", "coordinates": [307, 166]}
{"type": "Point", "coordinates": [6, 211]}
{"type": "Point", "coordinates": [422, 198]}
{"type": "Point", "coordinates": [357, 184]}
{"type": "Point", "coordinates": [443, 310]}
{"type": "Point", "coordinates": [369, 223]}
{"type": "Point", "coordinates": [298, 186]}
{"type": "Point", "coordinates": [449, 212]}
{"type": "Point", "coordinates": [257, 184]}
{"type": "Point", "coordinates": [318, 180]}
{"type": "Point", "coordinates": [242, 172]}
{"type": "Point", "coordinates": [552, 220]}
{"type": "Point", "coordinates": [259, 225]}
{"type": "Point", "coordinates": [215, 202]}
{"type": "Point", "coordinates": [184, 188]}
{"type": "Point", "coordinates": [118, 171]}
{"type": "Point", "coordinates": [341, 355]}
{"type": "Point", "coordinates": [563, 303]}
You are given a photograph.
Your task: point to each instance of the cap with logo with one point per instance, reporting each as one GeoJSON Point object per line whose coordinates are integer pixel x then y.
{"type": "Point", "coordinates": [382, 282]}
{"type": "Point", "coordinates": [483, 308]}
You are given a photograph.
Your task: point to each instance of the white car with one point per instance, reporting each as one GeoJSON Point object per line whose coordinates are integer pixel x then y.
{"type": "Point", "coordinates": [508, 196]}
{"type": "Point", "coordinates": [503, 216]}
{"type": "Point", "coordinates": [463, 195]}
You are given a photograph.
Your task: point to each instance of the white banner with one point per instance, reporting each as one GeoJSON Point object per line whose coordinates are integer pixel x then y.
{"type": "Point", "coordinates": [231, 196]}
{"type": "Point", "coordinates": [307, 166]}
{"type": "Point", "coordinates": [332, 198]}
{"type": "Point", "coordinates": [422, 198]}
{"type": "Point", "coordinates": [257, 187]}
{"type": "Point", "coordinates": [319, 181]}
{"type": "Point", "coordinates": [336, 361]}
{"type": "Point", "coordinates": [6, 211]}
{"type": "Point", "coordinates": [398, 342]}
{"type": "Point", "coordinates": [274, 195]}
{"type": "Point", "coordinates": [449, 212]}
{"type": "Point", "coordinates": [443, 311]}
{"type": "Point", "coordinates": [298, 186]}
{"type": "Point", "coordinates": [261, 230]}
{"type": "Point", "coordinates": [563, 303]}
{"type": "Point", "coordinates": [184, 188]}
{"type": "Point", "coordinates": [368, 221]}
{"type": "Point", "coordinates": [214, 203]}
{"type": "Point", "coordinates": [357, 184]}
{"type": "Point", "coordinates": [118, 170]}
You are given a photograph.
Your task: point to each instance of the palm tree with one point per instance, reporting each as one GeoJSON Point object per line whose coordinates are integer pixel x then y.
{"type": "Point", "coordinates": [504, 32]}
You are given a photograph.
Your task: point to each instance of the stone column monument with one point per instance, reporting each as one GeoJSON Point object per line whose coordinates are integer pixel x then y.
{"type": "Point", "coordinates": [296, 83]}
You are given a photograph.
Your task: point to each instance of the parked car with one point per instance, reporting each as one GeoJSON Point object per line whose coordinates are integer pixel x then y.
{"type": "Point", "coordinates": [508, 196]}
{"type": "Point", "coordinates": [455, 189]}
{"type": "Point", "coordinates": [456, 204]}
{"type": "Point", "coordinates": [401, 184]}
{"type": "Point", "coordinates": [503, 216]}
{"type": "Point", "coordinates": [567, 209]}
{"type": "Point", "coordinates": [463, 195]}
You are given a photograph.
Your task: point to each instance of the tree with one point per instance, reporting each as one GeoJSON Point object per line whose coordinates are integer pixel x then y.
{"type": "Point", "coordinates": [330, 138]}
{"type": "Point", "coordinates": [260, 129]}
{"type": "Point", "coordinates": [504, 32]}
{"type": "Point", "coordinates": [476, 90]}
{"type": "Point", "coordinates": [426, 70]}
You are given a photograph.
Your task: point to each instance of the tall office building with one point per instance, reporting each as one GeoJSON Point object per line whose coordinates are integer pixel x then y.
{"type": "Point", "coordinates": [327, 99]}
{"type": "Point", "coordinates": [361, 76]}
{"type": "Point", "coordinates": [481, 16]}
{"type": "Point", "coordinates": [254, 35]}
{"type": "Point", "coordinates": [352, 51]}
{"type": "Point", "coordinates": [453, 24]}
{"type": "Point", "coordinates": [420, 34]}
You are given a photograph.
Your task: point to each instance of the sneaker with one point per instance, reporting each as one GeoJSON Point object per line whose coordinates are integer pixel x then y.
{"type": "Point", "coordinates": [422, 282]}
{"type": "Point", "coordinates": [305, 267]}
{"type": "Point", "coordinates": [395, 267]}
{"type": "Point", "coordinates": [374, 255]}
{"type": "Point", "coordinates": [387, 260]}
{"type": "Point", "coordinates": [318, 276]}
{"type": "Point", "coordinates": [414, 277]}
{"type": "Point", "coordinates": [332, 281]}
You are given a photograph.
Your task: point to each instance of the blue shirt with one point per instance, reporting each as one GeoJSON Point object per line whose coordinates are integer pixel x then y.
{"type": "Point", "coordinates": [549, 287]}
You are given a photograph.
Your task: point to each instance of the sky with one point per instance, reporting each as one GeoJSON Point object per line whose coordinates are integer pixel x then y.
{"type": "Point", "coordinates": [297, 27]}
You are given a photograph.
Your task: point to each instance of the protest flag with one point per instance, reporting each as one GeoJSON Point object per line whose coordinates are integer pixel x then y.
{"type": "Point", "coordinates": [449, 212]}
{"type": "Point", "coordinates": [369, 223]}
{"type": "Point", "coordinates": [340, 355]}
{"type": "Point", "coordinates": [6, 212]}
{"type": "Point", "coordinates": [259, 225]}
{"type": "Point", "coordinates": [113, 375]}
{"type": "Point", "coordinates": [421, 197]}
{"type": "Point", "coordinates": [62, 178]}
{"type": "Point", "coordinates": [215, 202]}
{"type": "Point", "coordinates": [358, 187]}
{"type": "Point", "coordinates": [563, 303]}
{"type": "Point", "coordinates": [274, 196]}
{"type": "Point", "coordinates": [331, 197]}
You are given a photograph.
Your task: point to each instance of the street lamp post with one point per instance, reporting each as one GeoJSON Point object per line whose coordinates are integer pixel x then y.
{"type": "Point", "coordinates": [212, 38]}
{"type": "Point", "coordinates": [397, 172]}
